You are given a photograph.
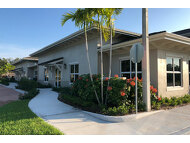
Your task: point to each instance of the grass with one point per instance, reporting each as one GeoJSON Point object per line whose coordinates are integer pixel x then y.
{"type": "Point", "coordinates": [17, 119]}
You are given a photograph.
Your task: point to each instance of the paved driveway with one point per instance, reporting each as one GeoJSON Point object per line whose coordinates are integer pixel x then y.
{"type": "Point", "coordinates": [7, 95]}
{"type": "Point", "coordinates": [72, 121]}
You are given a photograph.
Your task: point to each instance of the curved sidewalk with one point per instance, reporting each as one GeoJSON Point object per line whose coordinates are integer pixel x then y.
{"type": "Point", "coordinates": [72, 121]}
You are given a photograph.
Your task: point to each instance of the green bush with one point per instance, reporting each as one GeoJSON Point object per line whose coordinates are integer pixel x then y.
{"type": "Point", "coordinates": [63, 90]}
{"type": "Point", "coordinates": [12, 79]}
{"type": "Point", "coordinates": [39, 85]}
{"type": "Point", "coordinates": [31, 94]}
{"type": "Point", "coordinates": [119, 92]}
{"type": "Point", "coordinates": [168, 102]}
{"type": "Point", "coordinates": [120, 95]}
{"type": "Point", "coordinates": [26, 84]}
{"type": "Point", "coordinates": [4, 81]}
{"type": "Point", "coordinates": [113, 111]}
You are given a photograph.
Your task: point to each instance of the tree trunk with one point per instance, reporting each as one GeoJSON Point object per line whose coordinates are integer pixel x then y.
{"type": "Point", "coordinates": [102, 88]}
{"type": "Point", "coordinates": [110, 57]}
{"type": "Point", "coordinates": [88, 59]}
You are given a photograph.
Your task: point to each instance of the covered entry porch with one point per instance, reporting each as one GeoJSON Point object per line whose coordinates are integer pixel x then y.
{"type": "Point", "coordinates": [53, 72]}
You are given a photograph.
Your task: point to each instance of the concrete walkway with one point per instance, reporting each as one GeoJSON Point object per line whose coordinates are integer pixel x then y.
{"type": "Point", "coordinates": [72, 121]}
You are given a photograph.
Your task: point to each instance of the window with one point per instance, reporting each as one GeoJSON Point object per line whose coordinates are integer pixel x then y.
{"type": "Point", "coordinates": [45, 74]}
{"type": "Point", "coordinates": [128, 69]}
{"type": "Point", "coordinates": [74, 72]}
{"type": "Point", "coordinates": [173, 72]}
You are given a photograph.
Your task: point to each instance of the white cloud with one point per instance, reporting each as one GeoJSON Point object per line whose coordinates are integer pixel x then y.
{"type": "Point", "coordinates": [14, 51]}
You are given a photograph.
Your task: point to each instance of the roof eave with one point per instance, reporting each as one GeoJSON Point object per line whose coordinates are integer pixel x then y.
{"type": "Point", "coordinates": [164, 35]}
{"type": "Point", "coordinates": [77, 34]}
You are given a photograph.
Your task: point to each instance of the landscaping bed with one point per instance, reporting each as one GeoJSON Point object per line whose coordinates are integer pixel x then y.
{"type": "Point", "coordinates": [120, 94]}
{"type": "Point", "coordinates": [17, 119]}
{"type": "Point", "coordinates": [31, 87]}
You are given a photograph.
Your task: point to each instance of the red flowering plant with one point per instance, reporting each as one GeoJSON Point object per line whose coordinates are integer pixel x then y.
{"type": "Point", "coordinates": [120, 91]}
{"type": "Point", "coordinates": [131, 93]}
{"type": "Point", "coordinates": [116, 92]}
{"type": "Point", "coordinates": [82, 87]}
{"type": "Point", "coordinates": [154, 96]}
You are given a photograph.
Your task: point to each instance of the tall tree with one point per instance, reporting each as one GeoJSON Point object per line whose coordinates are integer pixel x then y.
{"type": "Point", "coordinates": [110, 17]}
{"type": "Point", "coordinates": [5, 66]}
{"type": "Point", "coordinates": [83, 19]}
{"type": "Point", "coordinates": [99, 21]}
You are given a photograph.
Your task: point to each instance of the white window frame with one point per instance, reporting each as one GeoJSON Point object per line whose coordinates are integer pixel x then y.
{"type": "Point", "coordinates": [74, 63]}
{"type": "Point", "coordinates": [130, 72]}
{"type": "Point", "coordinates": [175, 72]}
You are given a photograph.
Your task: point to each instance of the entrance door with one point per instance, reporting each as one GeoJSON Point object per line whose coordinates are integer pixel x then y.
{"type": "Point", "coordinates": [57, 78]}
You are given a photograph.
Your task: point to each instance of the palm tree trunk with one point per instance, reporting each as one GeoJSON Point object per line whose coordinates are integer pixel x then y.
{"type": "Point", "coordinates": [88, 59]}
{"type": "Point", "coordinates": [102, 72]}
{"type": "Point", "coordinates": [110, 57]}
{"type": "Point", "coordinates": [110, 49]}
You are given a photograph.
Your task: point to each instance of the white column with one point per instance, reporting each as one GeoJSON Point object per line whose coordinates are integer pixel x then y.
{"type": "Point", "coordinates": [145, 61]}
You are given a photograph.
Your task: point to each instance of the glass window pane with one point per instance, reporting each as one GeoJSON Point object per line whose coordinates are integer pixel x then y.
{"type": "Point", "coordinates": [76, 76]}
{"type": "Point", "coordinates": [132, 66]}
{"type": "Point", "coordinates": [72, 68]}
{"type": "Point", "coordinates": [71, 77]}
{"type": "Point", "coordinates": [139, 75]}
{"type": "Point", "coordinates": [132, 75]}
{"type": "Point", "coordinates": [139, 66]}
{"type": "Point", "coordinates": [177, 64]}
{"type": "Point", "coordinates": [169, 64]}
{"type": "Point", "coordinates": [127, 75]}
{"type": "Point", "coordinates": [77, 68]}
{"type": "Point", "coordinates": [178, 79]}
{"type": "Point", "coordinates": [170, 79]}
{"type": "Point", "coordinates": [125, 66]}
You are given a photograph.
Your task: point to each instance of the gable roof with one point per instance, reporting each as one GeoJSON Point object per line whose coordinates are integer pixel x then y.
{"type": "Point", "coordinates": [184, 32]}
{"type": "Point", "coordinates": [34, 59]}
{"type": "Point", "coordinates": [79, 33]}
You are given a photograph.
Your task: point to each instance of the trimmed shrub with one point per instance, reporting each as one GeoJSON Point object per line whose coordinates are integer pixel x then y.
{"type": "Point", "coordinates": [39, 85]}
{"type": "Point", "coordinates": [4, 81]}
{"type": "Point", "coordinates": [120, 95]}
{"type": "Point", "coordinates": [63, 90]}
{"type": "Point", "coordinates": [31, 94]}
{"type": "Point", "coordinates": [26, 84]}
{"type": "Point", "coordinates": [170, 102]}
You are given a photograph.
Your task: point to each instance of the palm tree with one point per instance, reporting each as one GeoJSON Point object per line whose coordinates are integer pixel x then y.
{"type": "Point", "coordinates": [83, 19]}
{"type": "Point", "coordinates": [110, 14]}
{"type": "Point", "coordinates": [99, 21]}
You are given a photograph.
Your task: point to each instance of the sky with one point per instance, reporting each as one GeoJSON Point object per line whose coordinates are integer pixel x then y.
{"type": "Point", "coordinates": [24, 31]}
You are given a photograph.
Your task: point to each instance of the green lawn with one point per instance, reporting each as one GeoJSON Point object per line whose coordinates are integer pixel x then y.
{"type": "Point", "coordinates": [17, 119]}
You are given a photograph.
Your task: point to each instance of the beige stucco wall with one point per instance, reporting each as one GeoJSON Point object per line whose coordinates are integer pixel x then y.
{"type": "Point", "coordinates": [117, 57]}
{"type": "Point", "coordinates": [163, 90]}
{"type": "Point", "coordinates": [74, 53]}
{"type": "Point", "coordinates": [27, 73]}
